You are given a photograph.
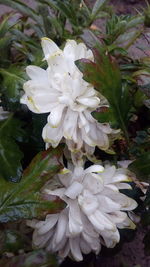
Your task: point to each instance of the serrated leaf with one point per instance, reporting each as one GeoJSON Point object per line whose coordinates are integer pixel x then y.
{"type": "Point", "coordinates": [23, 200]}
{"type": "Point", "coordinates": [105, 76]}
{"type": "Point", "coordinates": [10, 154]}
{"type": "Point", "coordinates": [141, 166]}
{"type": "Point", "coordinates": [38, 258]}
{"type": "Point", "coordinates": [104, 115]}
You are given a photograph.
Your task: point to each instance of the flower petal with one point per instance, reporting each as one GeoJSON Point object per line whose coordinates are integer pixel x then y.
{"type": "Point", "coordinates": [75, 248]}
{"type": "Point", "coordinates": [50, 49]}
{"type": "Point", "coordinates": [74, 190]}
{"type": "Point", "coordinates": [55, 116]}
{"type": "Point", "coordinates": [36, 73]}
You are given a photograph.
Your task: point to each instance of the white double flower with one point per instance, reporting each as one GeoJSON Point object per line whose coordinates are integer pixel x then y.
{"type": "Point", "coordinates": [94, 212]}
{"type": "Point", "coordinates": [61, 90]}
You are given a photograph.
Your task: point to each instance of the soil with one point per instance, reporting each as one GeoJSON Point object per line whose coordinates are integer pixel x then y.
{"type": "Point", "coordinates": [132, 253]}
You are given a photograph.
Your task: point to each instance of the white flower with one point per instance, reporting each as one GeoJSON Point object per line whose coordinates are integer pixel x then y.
{"type": "Point", "coordinates": [61, 90]}
{"type": "Point", "coordinates": [94, 212]}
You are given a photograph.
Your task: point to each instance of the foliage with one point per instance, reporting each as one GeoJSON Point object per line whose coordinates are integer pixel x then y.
{"type": "Point", "coordinates": [40, 258]}
{"type": "Point", "coordinates": [105, 75]}
{"type": "Point", "coordinates": [23, 200]}
{"type": "Point", "coordinates": [10, 154]}
{"type": "Point", "coordinates": [53, 23]}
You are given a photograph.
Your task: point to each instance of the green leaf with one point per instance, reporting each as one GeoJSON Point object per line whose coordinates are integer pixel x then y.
{"type": "Point", "coordinates": [134, 21]}
{"type": "Point", "coordinates": [12, 83]}
{"type": "Point", "coordinates": [68, 10]}
{"type": "Point", "coordinates": [38, 258]}
{"type": "Point", "coordinates": [141, 166]}
{"type": "Point", "coordinates": [10, 154]}
{"type": "Point", "coordinates": [97, 7]}
{"type": "Point", "coordinates": [21, 7]}
{"type": "Point", "coordinates": [11, 241]}
{"type": "Point", "coordinates": [23, 200]}
{"type": "Point", "coordinates": [128, 38]}
{"type": "Point", "coordinates": [117, 29]}
{"type": "Point", "coordinates": [105, 76]}
{"type": "Point", "coordinates": [104, 115]}
{"type": "Point", "coordinates": [5, 26]}
{"type": "Point", "coordinates": [65, 8]}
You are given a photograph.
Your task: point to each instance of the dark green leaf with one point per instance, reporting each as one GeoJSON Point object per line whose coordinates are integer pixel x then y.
{"type": "Point", "coordinates": [23, 200]}
{"type": "Point", "coordinates": [38, 258]}
{"type": "Point", "coordinates": [105, 115]}
{"type": "Point", "coordinates": [12, 83]}
{"type": "Point", "coordinates": [6, 25]}
{"type": "Point", "coordinates": [105, 75]}
{"type": "Point", "coordinates": [141, 166]}
{"type": "Point", "coordinates": [10, 154]}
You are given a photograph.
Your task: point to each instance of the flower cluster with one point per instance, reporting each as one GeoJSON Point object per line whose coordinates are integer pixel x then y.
{"type": "Point", "coordinates": [95, 210]}
{"type": "Point", "coordinates": [61, 90]}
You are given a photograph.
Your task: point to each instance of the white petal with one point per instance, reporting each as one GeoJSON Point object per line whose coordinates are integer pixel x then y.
{"type": "Point", "coordinates": [127, 223]}
{"type": "Point", "coordinates": [61, 227]}
{"type": "Point", "coordinates": [50, 49]}
{"type": "Point", "coordinates": [98, 226]}
{"type": "Point", "coordinates": [70, 123]}
{"type": "Point", "coordinates": [36, 73]}
{"type": "Point", "coordinates": [55, 116]}
{"type": "Point", "coordinates": [88, 202]}
{"type": "Point", "coordinates": [94, 168]}
{"type": "Point", "coordinates": [117, 217]}
{"type": "Point", "coordinates": [74, 190]}
{"type": "Point", "coordinates": [63, 253]}
{"type": "Point", "coordinates": [111, 238]}
{"type": "Point", "coordinates": [88, 227]}
{"type": "Point", "coordinates": [40, 241]}
{"type": "Point", "coordinates": [32, 223]}
{"type": "Point", "coordinates": [119, 178]}
{"type": "Point", "coordinates": [44, 226]}
{"type": "Point", "coordinates": [85, 247]}
{"type": "Point", "coordinates": [57, 192]}
{"type": "Point", "coordinates": [107, 204]}
{"type": "Point", "coordinates": [75, 248]}
{"type": "Point", "coordinates": [93, 242]}
{"type": "Point", "coordinates": [69, 49]}
{"type": "Point", "coordinates": [75, 223]}
{"type": "Point", "coordinates": [52, 135]}
{"type": "Point", "coordinates": [113, 187]}
{"type": "Point", "coordinates": [92, 102]}
{"type": "Point", "coordinates": [108, 174]}
{"type": "Point", "coordinates": [100, 221]}
{"type": "Point", "coordinates": [123, 186]}
{"type": "Point", "coordinates": [93, 185]}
